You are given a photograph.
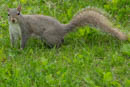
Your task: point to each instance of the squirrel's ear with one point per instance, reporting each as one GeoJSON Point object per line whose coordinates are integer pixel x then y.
{"type": "Point", "coordinates": [19, 8]}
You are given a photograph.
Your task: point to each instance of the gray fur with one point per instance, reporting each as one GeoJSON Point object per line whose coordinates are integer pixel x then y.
{"type": "Point", "coordinates": [53, 32]}
{"type": "Point", "coordinates": [94, 18]}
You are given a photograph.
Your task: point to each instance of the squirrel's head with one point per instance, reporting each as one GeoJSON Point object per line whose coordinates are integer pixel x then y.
{"type": "Point", "coordinates": [14, 14]}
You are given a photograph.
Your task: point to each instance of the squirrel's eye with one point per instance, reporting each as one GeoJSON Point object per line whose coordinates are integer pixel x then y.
{"type": "Point", "coordinates": [18, 13]}
{"type": "Point", "coordinates": [8, 14]}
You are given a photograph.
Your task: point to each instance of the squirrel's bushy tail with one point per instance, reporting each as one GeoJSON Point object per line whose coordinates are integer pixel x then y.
{"type": "Point", "coordinates": [96, 19]}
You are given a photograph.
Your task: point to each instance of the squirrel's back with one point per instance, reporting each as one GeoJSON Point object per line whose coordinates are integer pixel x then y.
{"type": "Point", "coordinates": [40, 23]}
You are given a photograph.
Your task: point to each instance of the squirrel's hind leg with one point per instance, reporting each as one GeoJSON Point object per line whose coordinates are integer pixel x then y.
{"type": "Point", "coordinates": [50, 45]}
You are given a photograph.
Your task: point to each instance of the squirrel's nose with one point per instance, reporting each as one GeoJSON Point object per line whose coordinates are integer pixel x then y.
{"type": "Point", "coordinates": [13, 21]}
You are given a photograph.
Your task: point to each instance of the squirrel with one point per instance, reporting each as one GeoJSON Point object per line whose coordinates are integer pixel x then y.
{"type": "Point", "coordinates": [51, 30]}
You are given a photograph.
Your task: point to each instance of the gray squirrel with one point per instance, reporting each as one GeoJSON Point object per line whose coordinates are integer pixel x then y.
{"type": "Point", "coordinates": [51, 30]}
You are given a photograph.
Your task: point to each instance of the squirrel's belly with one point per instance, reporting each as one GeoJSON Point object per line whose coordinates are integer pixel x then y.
{"type": "Point", "coordinates": [15, 30]}
{"type": "Point", "coordinates": [34, 35]}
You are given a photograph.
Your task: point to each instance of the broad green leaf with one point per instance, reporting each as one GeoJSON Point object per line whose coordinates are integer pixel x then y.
{"type": "Point", "coordinates": [126, 49]}
{"type": "Point", "coordinates": [108, 76]}
{"type": "Point", "coordinates": [24, 1]}
{"type": "Point", "coordinates": [127, 83]}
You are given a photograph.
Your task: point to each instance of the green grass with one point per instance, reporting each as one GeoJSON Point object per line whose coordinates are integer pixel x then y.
{"type": "Point", "coordinates": [87, 58]}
